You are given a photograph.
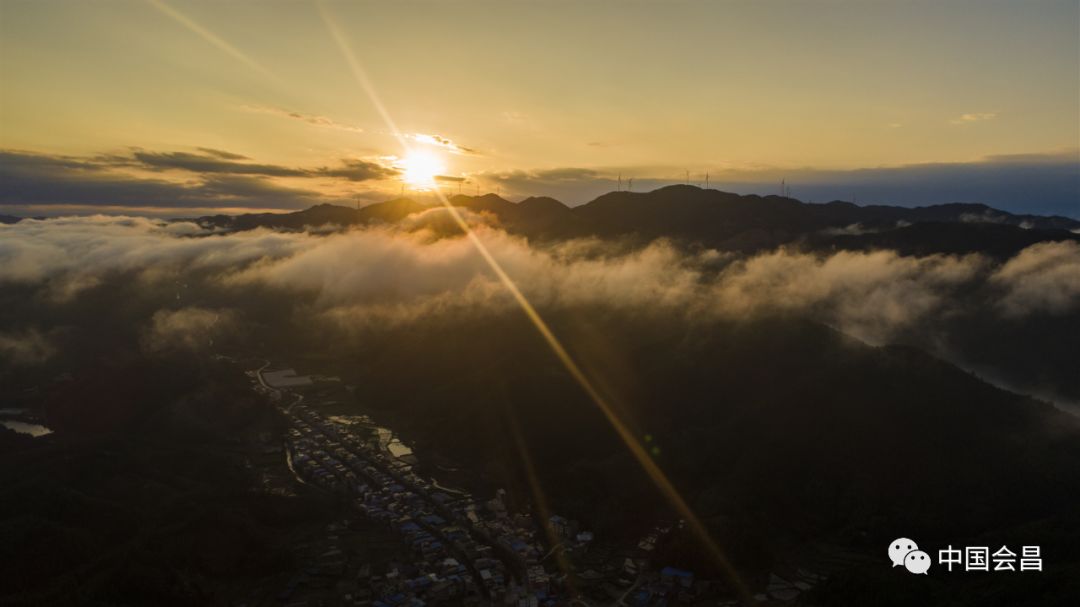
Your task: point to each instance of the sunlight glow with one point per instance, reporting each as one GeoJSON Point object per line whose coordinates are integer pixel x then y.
{"type": "Point", "coordinates": [419, 169]}
{"type": "Point", "coordinates": [644, 459]}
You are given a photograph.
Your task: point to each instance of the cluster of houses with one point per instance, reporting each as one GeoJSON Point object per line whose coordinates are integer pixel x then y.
{"type": "Point", "coordinates": [464, 548]}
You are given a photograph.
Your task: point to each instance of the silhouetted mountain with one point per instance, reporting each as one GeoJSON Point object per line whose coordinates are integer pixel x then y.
{"type": "Point", "coordinates": [537, 217]}
{"type": "Point", "coordinates": [390, 211]}
{"type": "Point", "coordinates": [719, 220]}
{"type": "Point", "coordinates": [318, 215]}
{"type": "Point", "coordinates": [9, 219]}
{"type": "Point", "coordinates": [490, 203]}
{"type": "Point", "coordinates": [748, 223]}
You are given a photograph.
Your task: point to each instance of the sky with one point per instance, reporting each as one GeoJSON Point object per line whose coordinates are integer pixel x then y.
{"type": "Point", "coordinates": [178, 108]}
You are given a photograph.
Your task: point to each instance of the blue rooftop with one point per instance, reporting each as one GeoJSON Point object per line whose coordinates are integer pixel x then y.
{"type": "Point", "coordinates": [673, 572]}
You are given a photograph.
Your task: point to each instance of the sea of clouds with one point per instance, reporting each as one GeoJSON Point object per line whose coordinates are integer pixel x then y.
{"type": "Point", "coordinates": [394, 275]}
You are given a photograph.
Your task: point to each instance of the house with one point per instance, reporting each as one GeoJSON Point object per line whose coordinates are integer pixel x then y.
{"type": "Point", "coordinates": [672, 576]}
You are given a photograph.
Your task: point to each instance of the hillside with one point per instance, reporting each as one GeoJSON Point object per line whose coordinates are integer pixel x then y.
{"type": "Point", "coordinates": [791, 436]}
{"type": "Point", "coordinates": [718, 220]}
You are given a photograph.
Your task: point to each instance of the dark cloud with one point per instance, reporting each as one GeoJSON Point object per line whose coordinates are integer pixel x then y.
{"type": "Point", "coordinates": [211, 163]}
{"type": "Point", "coordinates": [1022, 183]}
{"type": "Point", "coordinates": [545, 176]}
{"type": "Point", "coordinates": [245, 191]}
{"type": "Point", "coordinates": [31, 180]}
{"type": "Point", "coordinates": [223, 154]}
{"type": "Point", "coordinates": [215, 162]}
{"type": "Point", "coordinates": [565, 174]}
{"type": "Point", "coordinates": [574, 185]}
{"type": "Point", "coordinates": [26, 348]}
{"type": "Point", "coordinates": [212, 178]}
{"type": "Point", "coordinates": [20, 160]}
{"type": "Point", "coordinates": [358, 170]}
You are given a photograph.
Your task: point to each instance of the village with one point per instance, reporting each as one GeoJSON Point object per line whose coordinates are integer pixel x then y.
{"type": "Point", "coordinates": [455, 548]}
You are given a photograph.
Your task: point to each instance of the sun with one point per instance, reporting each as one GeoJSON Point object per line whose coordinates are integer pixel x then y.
{"type": "Point", "coordinates": [419, 169]}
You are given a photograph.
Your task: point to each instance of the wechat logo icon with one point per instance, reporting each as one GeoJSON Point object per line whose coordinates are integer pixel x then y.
{"type": "Point", "coordinates": [905, 553]}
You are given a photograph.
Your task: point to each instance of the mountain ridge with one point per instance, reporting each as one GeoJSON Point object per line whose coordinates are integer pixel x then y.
{"type": "Point", "coordinates": [713, 218]}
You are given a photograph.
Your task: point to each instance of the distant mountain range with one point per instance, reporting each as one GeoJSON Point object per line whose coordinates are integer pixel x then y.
{"type": "Point", "coordinates": [716, 219]}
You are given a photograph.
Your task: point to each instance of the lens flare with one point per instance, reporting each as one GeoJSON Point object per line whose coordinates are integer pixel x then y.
{"type": "Point", "coordinates": [647, 463]}
{"type": "Point", "coordinates": [212, 38]}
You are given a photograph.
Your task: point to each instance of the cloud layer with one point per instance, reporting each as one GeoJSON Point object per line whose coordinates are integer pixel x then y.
{"type": "Point", "coordinates": [1042, 278]}
{"type": "Point", "coordinates": [211, 180]}
{"type": "Point", "coordinates": [364, 276]}
{"type": "Point", "coordinates": [189, 328]}
{"type": "Point", "coordinates": [142, 179]}
{"type": "Point", "coordinates": [26, 347]}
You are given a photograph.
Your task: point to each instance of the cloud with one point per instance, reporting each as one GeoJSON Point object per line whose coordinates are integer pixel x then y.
{"type": "Point", "coordinates": [27, 347]}
{"type": "Point", "coordinates": [359, 170]}
{"type": "Point", "coordinates": [391, 275]}
{"type": "Point", "coordinates": [870, 295]}
{"type": "Point", "coordinates": [1029, 183]}
{"type": "Point", "coordinates": [223, 154]}
{"type": "Point", "coordinates": [190, 328]}
{"type": "Point", "coordinates": [217, 161]}
{"type": "Point", "coordinates": [854, 229]}
{"type": "Point", "coordinates": [150, 181]}
{"type": "Point", "coordinates": [1042, 278]}
{"type": "Point", "coordinates": [569, 183]}
{"type": "Point", "coordinates": [514, 117]}
{"type": "Point", "coordinates": [185, 285]}
{"type": "Point", "coordinates": [28, 179]}
{"type": "Point", "coordinates": [211, 179]}
{"type": "Point", "coordinates": [312, 119]}
{"type": "Point", "coordinates": [565, 174]}
{"type": "Point", "coordinates": [68, 255]}
{"type": "Point", "coordinates": [212, 162]}
{"type": "Point", "coordinates": [976, 117]}
{"type": "Point", "coordinates": [441, 142]}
